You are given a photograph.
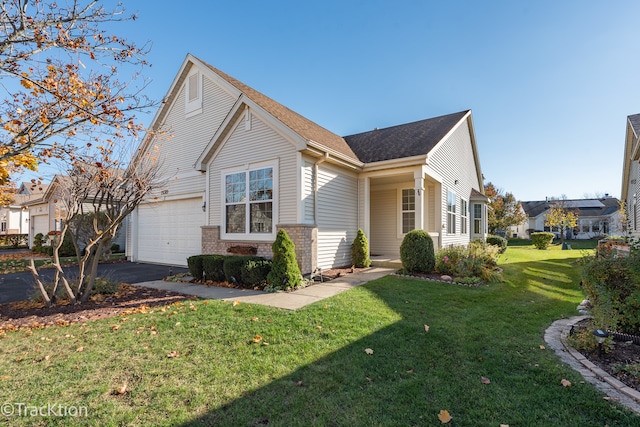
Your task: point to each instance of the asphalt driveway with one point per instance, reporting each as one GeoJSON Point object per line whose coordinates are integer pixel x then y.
{"type": "Point", "coordinates": [20, 286]}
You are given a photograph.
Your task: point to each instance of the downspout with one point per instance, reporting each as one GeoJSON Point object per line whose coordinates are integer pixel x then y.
{"type": "Point", "coordinates": [315, 186]}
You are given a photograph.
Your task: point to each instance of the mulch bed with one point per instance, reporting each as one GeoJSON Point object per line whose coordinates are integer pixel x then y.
{"type": "Point", "coordinates": [35, 315]}
{"type": "Point", "coordinates": [619, 354]}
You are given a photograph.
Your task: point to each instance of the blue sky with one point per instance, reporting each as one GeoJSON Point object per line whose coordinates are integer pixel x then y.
{"type": "Point", "coordinates": [550, 83]}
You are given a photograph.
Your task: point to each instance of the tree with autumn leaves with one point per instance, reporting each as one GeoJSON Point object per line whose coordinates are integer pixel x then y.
{"type": "Point", "coordinates": [67, 98]}
{"type": "Point", "coordinates": [504, 210]}
{"type": "Point", "coordinates": [62, 76]}
{"type": "Point", "coordinates": [561, 215]}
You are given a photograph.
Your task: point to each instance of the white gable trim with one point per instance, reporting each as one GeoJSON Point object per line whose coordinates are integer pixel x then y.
{"type": "Point", "coordinates": [234, 118]}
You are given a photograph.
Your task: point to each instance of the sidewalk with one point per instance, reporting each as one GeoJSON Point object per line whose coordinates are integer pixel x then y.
{"type": "Point", "coordinates": [288, 300]}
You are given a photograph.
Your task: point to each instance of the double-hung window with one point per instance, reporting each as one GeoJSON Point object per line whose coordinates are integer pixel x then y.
{"type": "Point", "coordinates": [451, 212]}
{"type": "Point", "coordinates": [477, 218]}
{"type": "Point", "coordinates": [248, 207]}
{"type": "Point", "coordinates": [408, 210]}
{"type": "Point", "coordinates": [464, 216]}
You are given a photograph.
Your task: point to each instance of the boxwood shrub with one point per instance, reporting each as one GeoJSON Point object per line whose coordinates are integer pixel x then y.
{"type": "Point", "coordinates": [232, 267]}
{"type": "Point", "coordinates": [417, 253]}
{"type": "Point", "coordinates": [194, 263]}
{"type": "Point", "coordinates": [213, 267]}
{"type": "Point", "coordinates": [498, 241]}
{"type": "Point", "coordinates": [542, 239]}
{"type": "Point", "coordinates": [254, 271]}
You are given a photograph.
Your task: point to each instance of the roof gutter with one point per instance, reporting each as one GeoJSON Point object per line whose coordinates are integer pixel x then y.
{"type": "Point", "coordinates": [335, 156]}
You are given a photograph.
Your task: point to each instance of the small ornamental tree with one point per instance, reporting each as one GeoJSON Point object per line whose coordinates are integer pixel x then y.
{"type": "Point", "coordinates": [285, 273]}
{"type": "Point", "coordinates": [417, 253]}
{"type": "Point", "coordinates": [360, 250]}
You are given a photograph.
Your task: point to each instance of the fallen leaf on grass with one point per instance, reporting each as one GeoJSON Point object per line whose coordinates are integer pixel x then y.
{"type": "Point", "coordinates": [426, 328]}
{"type": "Point", "coordinates": [5, 377]}
{"type": "Point", "coordinates": [368, 379]}
{"type": "Point", "coordinates": [504, 425]}
{"type": "Point", "coordinates": [485, 380]}
{"type": "Point", "coordinates": [154, 332]}
{"type": "Point", "coordinates": [542, 347]}
{"type": "Point", "coordinates": [115, 327]}
{"type": "Point", "coordinates": [47, 357]}
{"type": "Point", "coordinates": [444, 416]}
{"type": "Point", "coordinates": [122, 389]}
{"type": "Point", "coordinates": [172, 354]}
{"type": "Point", "coordinates": [236, 302]}
{"type": "Point", "coordinates": [257, 338]}
{"type": "Point", "coordinates": [368, 351]}
{"type": "Point", "coordinates": [565, 383]}
{"type": "Point", "coordinates": [80, 349]}
{"type": "Point", "coordinates": [299, 384]}
{"type": "Point", "coordinates": [265, 343]}
{"type": "Point", "coordinates": [318, 327]}
{"type": "Point", "coordinates": [254, 319]}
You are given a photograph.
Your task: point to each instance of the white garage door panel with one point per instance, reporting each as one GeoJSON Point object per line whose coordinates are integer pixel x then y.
{"type": "Point", "coordinates": [169, 232]}
{"type": "Point", "coordinates": [40, 224]}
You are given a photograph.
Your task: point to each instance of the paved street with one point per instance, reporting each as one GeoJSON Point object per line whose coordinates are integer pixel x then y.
{"type": "Point", "coordinates": [20, 286]}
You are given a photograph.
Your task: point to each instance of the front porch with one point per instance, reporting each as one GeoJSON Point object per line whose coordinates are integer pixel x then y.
{"type": "Point", "coordinates": [396, 202]}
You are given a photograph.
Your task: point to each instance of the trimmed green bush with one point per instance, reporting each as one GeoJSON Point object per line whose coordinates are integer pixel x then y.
{"type": "Point", "coordinates": [195, 264]}
{"type": "Point", "coordinates": [232, 267]}
{"type": "Point", "coordinates": [360, 251]}
{"type": "Point", "coordinates": [612, 286]}
{"type": "Point", "coordinates": [254, 271]}
{"type": "Point", "coordinates": [38, 242]}
{"type": "Point", "coordinates": [285, 272]}
{"type": "Point", "coordinates": [213, 267]}
{"type": "Point", "coordinates": [498, 241]}
{"type": "Point", "coordinates": [417, 253]}
{"type": "Point", "coordinates": [542, 239]}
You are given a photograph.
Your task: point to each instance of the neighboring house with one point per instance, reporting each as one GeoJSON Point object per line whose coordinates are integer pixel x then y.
{"type": "Point", "coordinates": [14, 219]}
{"type": "Point", "coordinates": [631, 175]}
{"type": "Point", "coordinates": [47, 211]}
{"type": "Point", "coordinates": [241, 166]}
{"type": "Point", "coordinates": [596, 218]}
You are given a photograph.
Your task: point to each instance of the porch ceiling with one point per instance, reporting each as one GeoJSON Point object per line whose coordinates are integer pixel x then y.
{"type": "Point", "coordinates": [398, 178]}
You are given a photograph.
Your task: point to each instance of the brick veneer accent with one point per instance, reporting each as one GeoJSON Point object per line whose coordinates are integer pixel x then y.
{"type": "Point", "coordinates": [304, 237]}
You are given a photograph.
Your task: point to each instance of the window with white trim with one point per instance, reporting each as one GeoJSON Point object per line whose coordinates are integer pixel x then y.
{"type": "Point", "coordinates": [451, 212]}
{"type": "Point", "coordinates": [408, 210]}
{"type": "Point", "coordinates": [477, 218]}
{"type": "Point", "coordinates": [464, 216]}
{"type": "Point", "coordinates": [248, 199]}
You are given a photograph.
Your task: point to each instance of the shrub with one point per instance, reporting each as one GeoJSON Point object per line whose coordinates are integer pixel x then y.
{"type": "Point", "coordinates": [417, 253]}
{"type": "Point", "coordinates": [612, 285]}
{"type": "Point", "coordinates": [115, 248]}
{"type": "Point", "coordinates": [498, 241]}
{"type": "Point", "coordinates": [195, 264]}
{"type": "Point", "coordinates": [104, 286]}
{"type": "Point", "coordinates": [542, 239]}
{"type": "Point", "coordinates": [360, 250]}
{"type": "Point", "coordinates": [285, 273]}
{"type": "Point", "coordinates": [38, 242]}
{"type": "Point", "coordinates": [478, 259]}
{"type": "Point", "coordinates": [67, 248]}
{"type": "Point", "coordinates": [212, 265]}
{"type": "Point", "coordinates": [232, 268]}
{"type": "Point", "coordinates": [254, 271]}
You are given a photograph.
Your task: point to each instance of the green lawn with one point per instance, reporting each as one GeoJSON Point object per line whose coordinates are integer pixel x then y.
{"type": "Point", "coordinates": [314, 370]}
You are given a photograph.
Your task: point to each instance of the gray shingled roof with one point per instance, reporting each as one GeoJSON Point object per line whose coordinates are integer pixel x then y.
{"type": "Point", "coordinates": [408, 140]}
{"type": "Point", "coordinates": [607, 206]}
{"type": "Point", "coordinates": [635, 123]}
{"type": "Point", "coordinates": [301, 125]}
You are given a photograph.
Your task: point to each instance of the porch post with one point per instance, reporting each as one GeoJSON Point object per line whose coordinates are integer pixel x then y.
{"type": "Point", "coordinates": [418, 176]}
{"type": "Point", "coordinates": [367, 208]}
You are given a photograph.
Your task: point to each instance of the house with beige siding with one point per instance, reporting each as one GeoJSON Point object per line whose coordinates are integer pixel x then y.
{"type": "Point", "coordinates": [630, 194]}
{"type": "Point", "coordinates": [240, 166]}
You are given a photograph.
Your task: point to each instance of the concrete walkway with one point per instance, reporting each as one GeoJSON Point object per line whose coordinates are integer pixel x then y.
{"type": "Point", "coordinates": [556, 335]}
{"type": "Point", "coordinates": [288, 300]}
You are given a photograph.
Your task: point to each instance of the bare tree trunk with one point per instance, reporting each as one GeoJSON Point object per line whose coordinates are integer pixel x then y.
{"type": "Point", "coordinates": [91, 278]}
{"type": "Point", "coordinates": [36, 276]}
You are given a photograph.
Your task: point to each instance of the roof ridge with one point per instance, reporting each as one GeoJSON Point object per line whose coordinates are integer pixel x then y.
{"type": "Point", "coordinates": [295, 121]}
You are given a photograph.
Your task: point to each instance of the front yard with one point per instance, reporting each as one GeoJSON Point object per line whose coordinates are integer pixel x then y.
{"type": "Point", "coordinates": [396, 351]}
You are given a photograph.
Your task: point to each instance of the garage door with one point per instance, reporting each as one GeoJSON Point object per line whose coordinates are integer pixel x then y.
{"type": "Point", "coordinates": [169, 232]}
{"type": "Point", "coordinates": [39, 224]}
